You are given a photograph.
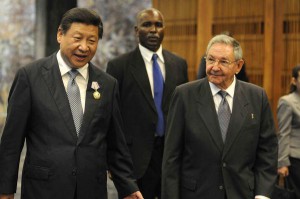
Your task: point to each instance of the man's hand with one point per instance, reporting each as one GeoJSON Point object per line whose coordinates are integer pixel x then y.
{"type": "Point", "coordinates": [135, 195]}
{"type": "Point", "coordinates": [283, 171]}
{"type": "Point", "coordinates": [6, 196]}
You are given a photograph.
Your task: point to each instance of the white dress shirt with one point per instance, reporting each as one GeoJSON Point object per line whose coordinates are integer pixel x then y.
{"type": "Point", "coordinates": [147, 56]}
{"type": "Point", "coordinates": [218, 98]}
{"type": "Point", "coordinates": [81, 79]}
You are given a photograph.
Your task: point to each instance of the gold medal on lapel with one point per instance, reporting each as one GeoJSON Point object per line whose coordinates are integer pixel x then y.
{"type": "Point", "coordinates": [96, 94]}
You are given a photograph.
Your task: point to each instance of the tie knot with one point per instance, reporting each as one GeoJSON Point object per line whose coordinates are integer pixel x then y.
{"type": "Point", "coordinates": [73, 73]}
{"type": "Point", "coordinates": [223, 93]}
{"type": "Point", "coordinates": [154, 57]}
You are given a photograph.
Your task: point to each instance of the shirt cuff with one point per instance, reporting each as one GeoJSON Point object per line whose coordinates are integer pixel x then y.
{"type": "Point", "coordinates": [261, 197]}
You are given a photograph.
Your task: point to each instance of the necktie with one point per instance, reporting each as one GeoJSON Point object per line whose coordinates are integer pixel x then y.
{"type": "Point", "coordinates": [223, 114]}
{"type": "Point", "coordinates": [74, 99]}
{"type": "Point", "coordinates": [158, 82]}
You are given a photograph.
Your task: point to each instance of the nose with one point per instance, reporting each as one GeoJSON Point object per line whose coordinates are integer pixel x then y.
{"type": "Point", "coordinates": [153, 28]}
{"type": "Point", "coordinates": [216, 66]}
{"type": "Point", "coordinates": [83, 46]}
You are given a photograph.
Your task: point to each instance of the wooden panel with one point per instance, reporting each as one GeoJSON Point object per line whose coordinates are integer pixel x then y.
{"type": "Point", "coordinates": [245, 21]}
{"type": "Point", "coordinates": [268, 46]}
{"type": "Point", "coordinates": [181, 29]}
{"type": "Point", "coordinates": [236, 10]}
{"type": "Point", "coordinates": [253, 50]}
{"type": "Point", "coordinates": [204, 28]}
{"type": "Point", "coordinates": [291, 31]}
{"type": "Point", "coordinates": [277, 54]}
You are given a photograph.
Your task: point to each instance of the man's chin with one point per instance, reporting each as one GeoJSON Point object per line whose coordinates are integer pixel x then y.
{"type": "Point", "coordinates": [78, 65]}
{"type": "Point", "coordinates": [213, 78]}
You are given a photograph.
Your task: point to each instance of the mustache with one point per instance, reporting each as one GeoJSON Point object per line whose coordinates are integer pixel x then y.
{"type": "Point", "coordinates": [153, 36]}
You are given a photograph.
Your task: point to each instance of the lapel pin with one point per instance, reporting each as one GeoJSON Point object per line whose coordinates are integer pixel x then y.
{"type": "Point", "coordinates": [96, 93]}
{"type": "Point", "coordinates": [252, 115]}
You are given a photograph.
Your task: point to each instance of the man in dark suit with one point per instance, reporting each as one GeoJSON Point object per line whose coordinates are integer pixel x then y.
{"type": "Point", "coordinates": [220, 146]}
{"type": "Point", "coordinates": [141, 114]}
{"type": "Point", "coordinates": [67, 157]}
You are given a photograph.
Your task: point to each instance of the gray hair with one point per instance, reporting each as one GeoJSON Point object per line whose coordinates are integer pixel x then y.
{"type": "Point", "coordinates": [225, 39]}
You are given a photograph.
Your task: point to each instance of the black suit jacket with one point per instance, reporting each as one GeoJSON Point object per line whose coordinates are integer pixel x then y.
{"type": "Point", "coordinates": [137, 104]}
{"type": "Point", "coordinates": [57, 162]}
{"type": "Point", "coordinates": [197, 164]}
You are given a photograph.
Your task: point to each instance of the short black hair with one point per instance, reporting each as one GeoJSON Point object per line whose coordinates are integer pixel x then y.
{"type": "Point", "coordinates": [81, 15]}
{"type": "Point", "coordinates": [295, 74]}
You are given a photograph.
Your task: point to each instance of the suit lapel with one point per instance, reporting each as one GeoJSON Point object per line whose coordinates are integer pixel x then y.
{"type": "Point", "coordinates": [170, 81]}
{"type": "Point", "coordinates": [208, 113]}
{"type": "Point", "coordinates": [53, 79]}
{"type": "Point", "coordinates": [90, 102]}
{"type": "Point", "coordinates": [238, 116]}
{"type": "Point", "coordinates": [138, 70]}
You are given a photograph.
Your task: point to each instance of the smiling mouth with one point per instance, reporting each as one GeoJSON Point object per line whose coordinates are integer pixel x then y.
{"type": "Point", "coordinates": [80, 57]}
{"type": "Point", "coordinates": [215, 75]}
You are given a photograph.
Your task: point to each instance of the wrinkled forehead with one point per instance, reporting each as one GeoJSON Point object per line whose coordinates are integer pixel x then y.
{"type": "Point", "coordinates": [149, 15]}
{"type": "Point", "coordinates": [221, 49]}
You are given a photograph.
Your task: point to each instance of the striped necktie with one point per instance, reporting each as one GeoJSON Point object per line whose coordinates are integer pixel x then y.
{"type": "Point", "coordinates": [75, 100]}
{"type": "Point", "coordinates": [224, 114]}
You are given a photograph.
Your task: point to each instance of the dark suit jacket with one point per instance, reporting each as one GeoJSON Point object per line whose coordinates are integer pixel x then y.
{"type": "Point", "coordinates": [137, 104]}
{"type": "Point", "coordinates": [197, 164]}
{"type": "Point", "coordinates": [56, 160]}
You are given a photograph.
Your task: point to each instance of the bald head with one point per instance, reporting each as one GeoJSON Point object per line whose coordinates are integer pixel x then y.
{"type": "Point", "coordinates": [148, 10]}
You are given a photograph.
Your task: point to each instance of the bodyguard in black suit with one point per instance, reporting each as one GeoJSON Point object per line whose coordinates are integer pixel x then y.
{"type": "Point", "coordinates": [220, 146]}
{"type": "Point", "coordinates": [137, 90]}
{"type": "Point", "coordinates": [64, 160]}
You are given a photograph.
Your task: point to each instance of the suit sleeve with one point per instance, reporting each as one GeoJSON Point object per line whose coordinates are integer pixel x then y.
{"type": "Point", "coordinates": [14, 132]}
{"type": "Point", "coordinates": [114, 71]}
{"type": "Point", "coordinates": [183, 72]}
{"type": "Point", "coordinates": [284, 116]}
{"type": "Point", "coordinates": [174, 145]}
{"type": "Point", "coordinates": [119, 159]}
{"type": "Point", "coordinates": [202, 69]}
{"type": "Point", "coordinates": [265, 167]}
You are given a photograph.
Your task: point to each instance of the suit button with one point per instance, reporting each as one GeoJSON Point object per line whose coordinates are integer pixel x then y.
{"type": "Point", "coordinates": [74, 172]}
{"type": "Point", "coordinates": [221, 187]}
{"type": "Point", "coordinates": [224, 164]}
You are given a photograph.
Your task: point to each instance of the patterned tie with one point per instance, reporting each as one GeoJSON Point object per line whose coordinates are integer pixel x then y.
{"type": "Point", "coordinates": [223, 114]}
{"type": "Point", "coordinates": [74, 100]}
{"type": "Point", "coordinates": [158, 82]}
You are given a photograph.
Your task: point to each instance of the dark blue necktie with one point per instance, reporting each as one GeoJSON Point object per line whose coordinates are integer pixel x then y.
{"type": "Point", "coordinates": [158, 82]}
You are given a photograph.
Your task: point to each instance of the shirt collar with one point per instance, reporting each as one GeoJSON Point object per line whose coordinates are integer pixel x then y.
{"type": "Point", "coordinates": [147, 54]}
{"type": "Point", "coordinates": [229, 90]}
{"type": "Point", "coordinates": [64, 68]}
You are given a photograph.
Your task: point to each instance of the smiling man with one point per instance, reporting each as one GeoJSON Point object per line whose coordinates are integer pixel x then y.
{"type": "Point", "coordinates": [220, 140]}
{"type": "Point", "coordinates": [67, 111]}
{"type": "Point", "coordinates": [147, 77]}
